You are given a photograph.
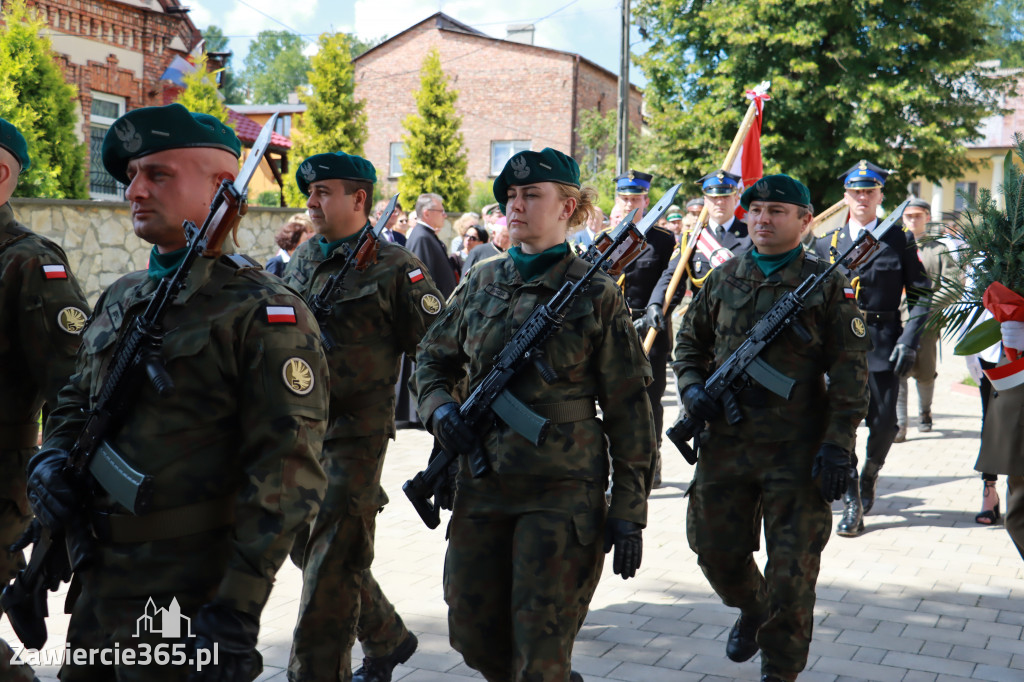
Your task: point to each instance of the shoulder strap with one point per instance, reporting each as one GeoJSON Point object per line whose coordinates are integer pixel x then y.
{"type": "Point", "coordinates": [13, 233]}
{"type": "Point", "coordinates": [240, 260]}
{"type": "Point", "coordinates": [577, 269]}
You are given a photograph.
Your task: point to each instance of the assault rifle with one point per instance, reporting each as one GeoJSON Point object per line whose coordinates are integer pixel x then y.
{"type": "Point", "coordinates": [136, 357]}
{"type": "Point", "coordinates": [362, 256]}
{"type": "Point", "coordinates": [745, 364]}
{"type": "Point", "coordinates": [491, 398]}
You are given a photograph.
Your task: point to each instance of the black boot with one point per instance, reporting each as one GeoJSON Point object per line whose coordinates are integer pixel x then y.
{"type": "Point", "coordinates": [742, 644]}
{"type": "Point", "coordinates": [378, 669]}
{"type": "Point", "coordinates": [852, 523]}
{"type": "Point", "coordinates": [868, 478]}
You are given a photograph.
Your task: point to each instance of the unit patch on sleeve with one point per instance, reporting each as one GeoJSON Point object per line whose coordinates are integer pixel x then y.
{"type": "Point", "coordinates": [858, 328]}
{"type": "Point", "coordinates": [298, 376]}
{"type": "Point", "coordinates": [72, 320]}
{"type": "Point", "coordinates": [849, 293]}
{"type": "Point", "coordinates": [280, 314]}
{"type": "Point", "coordinates": [431, 304]}
{"type": "Point", "coordinates": [55, 272]}
{"type": "Point", "coordinates": [416, 275]}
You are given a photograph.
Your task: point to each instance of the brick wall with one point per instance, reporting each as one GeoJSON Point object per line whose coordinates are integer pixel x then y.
{"type": "Point", "coordinates": [598, 91]}
{"type": "Point", "coordinates": [507, 91]}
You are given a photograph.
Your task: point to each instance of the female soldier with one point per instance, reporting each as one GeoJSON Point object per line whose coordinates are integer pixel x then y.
{"type": "Point", "coordinates": [525, 550]}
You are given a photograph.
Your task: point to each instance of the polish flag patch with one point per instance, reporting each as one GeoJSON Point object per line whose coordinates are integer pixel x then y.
{"type": "Point", "coordinates": [55, 272]}
{"type": "Point", "coordinates": [416, 275]}
{"type": "Point", "coordinates": [849, 293]}
{"type": "Point", "coordinates": [280, 314]}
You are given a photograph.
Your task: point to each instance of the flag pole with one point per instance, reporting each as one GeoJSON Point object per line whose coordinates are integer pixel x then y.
{"type": "Point", "coordinates": [691, 243]}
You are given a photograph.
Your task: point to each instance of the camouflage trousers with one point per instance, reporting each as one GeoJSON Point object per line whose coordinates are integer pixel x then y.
{"type": "Point", "coordinates": [15, 516]}
{"type": "Point", "coordinates": [736, 486]}
{"type": "Point", "coordinates": [524, 558]}
{"type": "Point", "coordinates": [340, 597]}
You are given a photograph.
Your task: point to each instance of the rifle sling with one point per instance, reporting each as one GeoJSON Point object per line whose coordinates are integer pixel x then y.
{"type": "Point", "coordinates": [567, 411]}
{"type": "Point", "coordinates": [165, 523]}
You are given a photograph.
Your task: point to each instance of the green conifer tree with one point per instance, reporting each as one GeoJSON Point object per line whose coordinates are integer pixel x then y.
{"type": "Point", "coordinates": [201, 93]}
{"type": "Point", "coordinates": [35, 98]}
{"type": "Point", "coordinates": [435, 159]}
{"type": "Point", "coordinates": [334, 119]}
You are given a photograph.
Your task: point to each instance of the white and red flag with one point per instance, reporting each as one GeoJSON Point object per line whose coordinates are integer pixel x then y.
{"type": "Point", "coordinates": [748, 163]}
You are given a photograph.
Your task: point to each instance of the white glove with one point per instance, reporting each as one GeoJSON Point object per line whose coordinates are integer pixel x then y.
{"type": "Point", "coordinates": [1013, 334]}
{"type": "Point", "coordinates": [974, 367]}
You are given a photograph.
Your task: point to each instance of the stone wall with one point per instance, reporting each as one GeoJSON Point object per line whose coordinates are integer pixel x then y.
{"type": "Point", "coordinates": [100, 243]}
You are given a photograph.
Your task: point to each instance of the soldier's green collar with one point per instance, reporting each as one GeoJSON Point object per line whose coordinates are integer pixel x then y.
{"type": "Point", "coordinates": [532, 265]}
{"type": "Point", "coordinates": [163, 264]}
{"type": "Point", "coordinates": [6, 214]}
{"type": "Point", "coordinates": [329, 247]}
{"type": "Point", "coordinates": [770, 264]}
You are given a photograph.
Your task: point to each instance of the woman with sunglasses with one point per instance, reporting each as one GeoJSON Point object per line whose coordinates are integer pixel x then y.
{"type": "Point", "coordinates": [527, 539]}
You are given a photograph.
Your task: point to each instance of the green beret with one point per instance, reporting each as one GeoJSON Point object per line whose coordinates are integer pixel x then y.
{"type": "Point", "coordinates": [11, 140]}
{"type": "Point", "coordinates": [148, 130]}
{"type": "Point", "coordinates": [526, 168]}
{"type": "Point", "coordinates": [781, 188]}
{"type": "Point", "coordinates": [336, 166]}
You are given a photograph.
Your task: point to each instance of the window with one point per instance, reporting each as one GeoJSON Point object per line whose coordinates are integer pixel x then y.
{"type": "Point", "coordinates": [968, 188]}
{"type": "Point", "coordinates": [503, 150]}
{"type": "Point", "coordinates": [283, 126]}
{"type": "Point", "coordinates": [915, 189]}
{"type": "Point", "coordinates": [397, 154]}
{"type": "Point", "coordinates": [104, 111]}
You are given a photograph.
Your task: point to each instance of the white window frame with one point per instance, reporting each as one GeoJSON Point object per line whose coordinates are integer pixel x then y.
{"type": "Point", "coordinates": [500, 158]}
{"type": "Point", "coordinates": [104, 123]}
{"type": "Point", "coordinates": [395, 161]}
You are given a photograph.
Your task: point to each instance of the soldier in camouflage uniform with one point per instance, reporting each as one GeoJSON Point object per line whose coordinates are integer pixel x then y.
{"type": "Point", "coordinates": [937, 263]}
{"type": "Point", "coordinates": [786, 460]}
{"type": "Point", "coordinates": [232, 451]}
{"type": "Point", "coordinates": [42, 312]}
{"type": "Point", "coordinates": [377, 314]}
{"type": "Point", "coordinates": [525, 549]}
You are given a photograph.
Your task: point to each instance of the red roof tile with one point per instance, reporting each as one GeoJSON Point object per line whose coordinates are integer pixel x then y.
{"type": "Point", "coordinates": [248, 130]}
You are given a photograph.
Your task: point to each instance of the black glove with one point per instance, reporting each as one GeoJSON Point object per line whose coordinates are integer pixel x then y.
{"type": "Point", "coordinates": [903, 357]}
{"type": "Point", "coordinates": [699, 405]}
{"type": "Point", "coordinates": [234, 633]}
{"type": "Point", "coordinates": [832, 469]}
{"type": "Point", "coordinates": [53, 492]}
{"type": "Point", "coordinates": [453, 433]}
{"type": "Point", "coordinates": [627, 538]}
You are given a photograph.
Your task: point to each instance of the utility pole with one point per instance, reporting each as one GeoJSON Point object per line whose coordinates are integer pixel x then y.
{"type": "Point", "coordinates": [622, 137]}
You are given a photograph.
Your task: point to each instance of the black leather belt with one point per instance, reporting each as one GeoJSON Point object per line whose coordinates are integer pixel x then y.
{"type": "Point", "coordinates": [880, 317]}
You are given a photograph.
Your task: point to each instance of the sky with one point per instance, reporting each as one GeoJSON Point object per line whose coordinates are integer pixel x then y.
{"type": "Point", "coordinates": [587, 27]}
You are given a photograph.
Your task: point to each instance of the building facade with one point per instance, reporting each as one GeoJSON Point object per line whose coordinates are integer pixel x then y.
{"type": "Point", "coordinates": [512, 96]}
{"type": "Point", "coordinates": [115, 52]}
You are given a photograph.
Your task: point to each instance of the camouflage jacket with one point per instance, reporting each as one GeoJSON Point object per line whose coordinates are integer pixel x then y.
{"type": "Point", "coordinates": [42, 313]}
{"type": "Point", "coordinates": [245, 421]}
{"type": "Point", "coordinates": [596, 354]}
{"type": "Point", "coordinates": [734, 298]}
{"type": "Point", "coordinates": [380, 313]}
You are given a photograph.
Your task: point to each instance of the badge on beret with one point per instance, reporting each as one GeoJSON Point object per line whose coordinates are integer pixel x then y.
{"type": "Point", "coordinates": [858, 328]}
{"type": "Point", "coordinates": [762, 190]}
{"type": "Point", "coordinates": [307, 172]}
{"type": "Point", "coordinates": [130, 139]}
{"type": "Point", "coordinates": [431, 304]}
{"type": "Point", "coordinates": [520, 169]}
{"type": "Point", "coordinates": [298, 376]}
{"type": "Point", "coordinates": [72, 320]}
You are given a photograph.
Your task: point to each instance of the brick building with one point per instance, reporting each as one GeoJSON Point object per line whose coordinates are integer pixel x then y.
{"type": "Point", "coordinates": [512, 96]}
{"type": "Point", "coordinates": [116, 53]}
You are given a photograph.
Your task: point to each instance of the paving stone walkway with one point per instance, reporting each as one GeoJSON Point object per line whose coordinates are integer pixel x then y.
{"type": "Point", "coordinates": [925, 595]}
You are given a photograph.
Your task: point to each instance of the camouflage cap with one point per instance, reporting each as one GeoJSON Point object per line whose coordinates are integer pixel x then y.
{"type": "Point", "coordinates": [781, 188]}
{"type": "Point", "coordinates": [13, 141]}
{"type": "Point", "coordinates": [334, 166]}
{"type": "Point", "coordinates": [526, 168]}
{"type": "Point", "coordinates": [148, 130]}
